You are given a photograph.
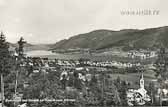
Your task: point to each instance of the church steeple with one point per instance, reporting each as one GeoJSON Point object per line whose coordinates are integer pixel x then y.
{"type": "Point", "coordinates": [142, 81]}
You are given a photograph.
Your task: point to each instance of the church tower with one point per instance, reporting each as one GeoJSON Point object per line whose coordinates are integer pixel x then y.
{"type": "Point", "coordinates": [142, 82]}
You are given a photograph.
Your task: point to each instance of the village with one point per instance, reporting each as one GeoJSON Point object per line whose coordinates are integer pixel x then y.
{"type": "Point", "coordinates": [61, 82]}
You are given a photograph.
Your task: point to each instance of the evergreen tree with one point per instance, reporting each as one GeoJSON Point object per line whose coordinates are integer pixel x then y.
{"type": "Point", "coordinates": [117, 82]}
{"type": "Point", "coordinates": [21, 43]}
{"type": "Point", "coordinates": [152, 91]}
{"type": "Point", "coordinates": [121, 88]}
{"type": "Point", "coordinates": [123, 93]}
{"type": "Point", "coordinates": [5, 57]}
{"type": "Point", "coordinates": [5, 67]}
{"type": "Point", "coordinates": [161, 69]}
{"type": "Point", "coordinates": [161, 65]}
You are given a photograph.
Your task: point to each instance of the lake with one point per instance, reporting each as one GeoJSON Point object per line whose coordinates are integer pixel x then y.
{"type": "Point", "coordinates": [50, 55]}
{"type": "Point", "coordinates": [75, 56]}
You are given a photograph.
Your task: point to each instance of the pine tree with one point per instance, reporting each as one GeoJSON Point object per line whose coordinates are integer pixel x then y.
{"type": "Point", "coordinates": [4, 55]}
{"type": "Point", "coordinates": [4, 63]}
{"type": "Point", "coordinates": [21, 43]}
{"type": "Point", "coordinates": [161, 69]}
{"type": "Point", "coordinates": [162, 64]}
{"type": "Point", "coordinates": [152, 91]}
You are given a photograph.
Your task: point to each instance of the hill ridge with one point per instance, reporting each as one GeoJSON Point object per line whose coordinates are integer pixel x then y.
{"type": "Point", "coordinates": [126, 38]}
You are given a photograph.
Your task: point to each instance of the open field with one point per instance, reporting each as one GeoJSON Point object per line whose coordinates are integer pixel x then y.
{"type": "Point", "coordinates": [133, 78]}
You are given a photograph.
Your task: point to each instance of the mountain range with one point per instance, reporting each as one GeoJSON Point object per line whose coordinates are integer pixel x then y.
{"type": "Point", "coordinates": [127, 39]}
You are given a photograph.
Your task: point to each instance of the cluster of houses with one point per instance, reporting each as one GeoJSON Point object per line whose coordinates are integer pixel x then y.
{"type": "Point", "coordinates": [113, 64]}
{"type": "Point", "coordinates": [142, 54]}
{"type": "Point", "coordinates": [97, 63]}
{"type": "Point", "coordinates": [48, 63]}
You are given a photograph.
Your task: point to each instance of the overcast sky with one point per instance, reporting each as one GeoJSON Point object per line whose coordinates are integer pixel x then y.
{"type": "Point", "coordinates": [48, 21]}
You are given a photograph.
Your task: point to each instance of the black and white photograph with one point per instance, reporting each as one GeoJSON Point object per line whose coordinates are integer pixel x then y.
{"type": "Point", "coordinates": [83, 53]}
